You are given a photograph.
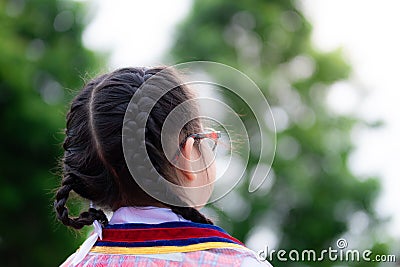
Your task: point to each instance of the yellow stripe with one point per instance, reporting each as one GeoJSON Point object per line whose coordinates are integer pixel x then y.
{"type": "Point", "coordinates": [163, 249]}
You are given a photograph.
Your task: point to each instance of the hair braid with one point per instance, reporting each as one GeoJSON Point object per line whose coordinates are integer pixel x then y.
{"type": "Point", "coordinates": [73, 176]}
{"type": "Point", "coordinates": [192, 214]}
{"type": "Point", "coordinates": [85, 218]}
{"type": "Point", "coordinates": [142, 162]}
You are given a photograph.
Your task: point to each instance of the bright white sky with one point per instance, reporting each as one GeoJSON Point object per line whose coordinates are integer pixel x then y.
{"type": "Point", "coordinates": [140, 32]}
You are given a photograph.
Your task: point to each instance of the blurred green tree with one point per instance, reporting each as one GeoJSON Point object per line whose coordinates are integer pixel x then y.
{"type": "Point", "coordinates": [311, 195]}
{"type": "Point", "coordinates": [41, 53]}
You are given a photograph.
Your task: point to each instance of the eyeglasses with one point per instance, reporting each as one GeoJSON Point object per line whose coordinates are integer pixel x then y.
{"type": "Point", "coordinates": [211, 135]}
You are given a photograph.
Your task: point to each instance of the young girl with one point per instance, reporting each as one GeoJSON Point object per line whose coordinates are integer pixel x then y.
{"type": "Point", "coordinates": [144, 230]}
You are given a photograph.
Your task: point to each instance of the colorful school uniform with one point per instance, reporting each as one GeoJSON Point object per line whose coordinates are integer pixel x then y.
{"type": "Point", "coordinates": [159, 237]}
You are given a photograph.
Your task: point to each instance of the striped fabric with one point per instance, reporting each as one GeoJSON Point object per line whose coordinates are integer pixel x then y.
{"type": "Point", "coordinates": [213, 257]}
{"type": "Point", "coordinates": [167, 244]}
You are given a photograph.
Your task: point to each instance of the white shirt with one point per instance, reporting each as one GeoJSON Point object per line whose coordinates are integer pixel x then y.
{"type": "Point", "coordinates": [151, 215]}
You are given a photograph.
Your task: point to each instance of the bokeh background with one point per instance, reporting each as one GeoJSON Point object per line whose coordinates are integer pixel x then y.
{"type": "Point", "coordinates": [329, 70]}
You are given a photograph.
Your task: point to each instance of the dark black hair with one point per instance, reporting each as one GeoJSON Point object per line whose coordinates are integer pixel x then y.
{"type": "Point", "coordinates": [93, 164]}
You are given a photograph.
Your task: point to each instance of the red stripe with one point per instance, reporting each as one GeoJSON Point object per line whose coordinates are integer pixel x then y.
{"type": "Point", "coordinates": [153, 234]}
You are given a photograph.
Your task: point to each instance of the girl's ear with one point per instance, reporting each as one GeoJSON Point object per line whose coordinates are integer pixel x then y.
{"type": "Point", "coordinates": [188, 156]}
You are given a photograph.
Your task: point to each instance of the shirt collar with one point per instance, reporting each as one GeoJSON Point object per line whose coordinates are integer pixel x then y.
{"type": "Point", "coordinates": [147, 214]}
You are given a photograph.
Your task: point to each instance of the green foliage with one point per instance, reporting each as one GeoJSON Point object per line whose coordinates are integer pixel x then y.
{"type": "Point", "coordinates": [41, 53]}
{"type": "Point", "coordinates": [314, 194]}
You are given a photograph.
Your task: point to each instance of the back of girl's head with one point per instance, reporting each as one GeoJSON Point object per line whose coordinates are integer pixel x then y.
{"type": "Point", "coordinates": [94, 165]}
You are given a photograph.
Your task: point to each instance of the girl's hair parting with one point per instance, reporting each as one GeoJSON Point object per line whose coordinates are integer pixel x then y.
{"type": "Point", "coordinates": [93, 164]}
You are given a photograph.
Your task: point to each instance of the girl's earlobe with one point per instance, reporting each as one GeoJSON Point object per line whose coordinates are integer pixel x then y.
{"type": "Point", "coordinates": [187, 158]}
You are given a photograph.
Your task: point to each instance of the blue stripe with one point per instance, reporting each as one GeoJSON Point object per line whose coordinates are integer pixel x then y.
{"type": "Point", "coordinates": [156, 243]}
{"type": "Point", "coordinates": [163, 225]}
